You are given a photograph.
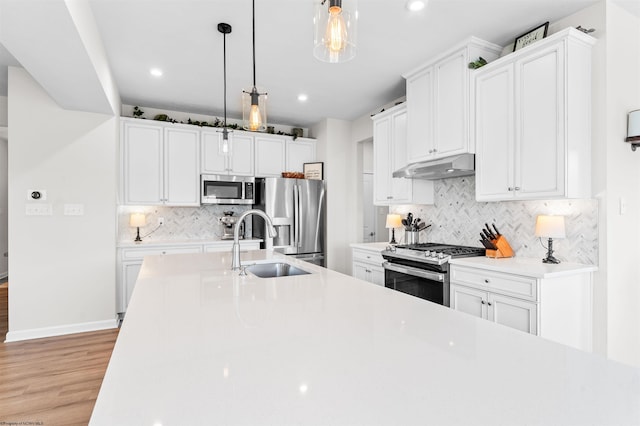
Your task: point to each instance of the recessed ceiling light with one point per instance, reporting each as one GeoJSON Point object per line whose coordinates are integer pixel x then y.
{"type": "Point", "coordinates": [156, 72]}
{"type": "Point", "coordinates": [416, 5]}
{"type": "Point", "coordinates": [302, 97]}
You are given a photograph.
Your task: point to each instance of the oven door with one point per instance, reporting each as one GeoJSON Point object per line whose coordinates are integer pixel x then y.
{"type": "Point", "coordinates": [422, 283]}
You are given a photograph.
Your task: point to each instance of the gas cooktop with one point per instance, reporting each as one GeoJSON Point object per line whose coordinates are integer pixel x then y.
{"type": "Point", "coordinates": [433, 253]}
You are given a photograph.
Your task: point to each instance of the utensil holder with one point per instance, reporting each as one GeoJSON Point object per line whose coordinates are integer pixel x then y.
{"type": "Point", "coordinates": [412, 237]}
{"type": "Point", "coordinates": [504, 249]}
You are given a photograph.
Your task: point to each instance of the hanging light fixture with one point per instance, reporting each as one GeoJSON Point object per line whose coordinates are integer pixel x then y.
{"type": "Point", "coordinates": [335, 31]}
{"type": "Point", "coordinates": [224, 141]}
{"type": "Point", "coordinates": [254, 104]}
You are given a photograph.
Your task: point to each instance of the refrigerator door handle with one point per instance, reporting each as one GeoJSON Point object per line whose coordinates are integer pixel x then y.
{"type": "Point", "coordinates": [296, 216]}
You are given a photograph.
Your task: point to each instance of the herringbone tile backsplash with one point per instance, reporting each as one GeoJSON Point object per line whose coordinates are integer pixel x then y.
{"type": "Point", "coordinates": [181, 223]}
{"type": "Point", "coordinates": [457, 218]}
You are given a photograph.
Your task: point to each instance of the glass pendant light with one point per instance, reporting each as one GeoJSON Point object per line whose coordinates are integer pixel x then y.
{"type": "Point", "coordinates": [335, 31]}
{"type": "Point", "coordinates": [224, 140]}
{"type": "Point", "coordinates": [254, 103]}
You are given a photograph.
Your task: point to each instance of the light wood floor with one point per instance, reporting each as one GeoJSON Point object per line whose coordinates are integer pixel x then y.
{"type": "Point", "coordinates": [53, 381]}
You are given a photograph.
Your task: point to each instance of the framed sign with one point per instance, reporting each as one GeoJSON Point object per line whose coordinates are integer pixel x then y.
{"type": "Point", "coordinates": [313, 171]}
{"type": "Point", "coordinates": [531, 36]}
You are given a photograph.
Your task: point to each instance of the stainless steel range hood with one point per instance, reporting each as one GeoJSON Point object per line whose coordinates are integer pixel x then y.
{"type": "Point", "coordinates": [454, 166]}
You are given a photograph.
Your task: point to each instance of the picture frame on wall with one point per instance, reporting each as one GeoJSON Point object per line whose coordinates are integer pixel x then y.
{"type": "Point", "coordinates": [531, 36]}
{"type": "Point", "coordinates": [314, 171]}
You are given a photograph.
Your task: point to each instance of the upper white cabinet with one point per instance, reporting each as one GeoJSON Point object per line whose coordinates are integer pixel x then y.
{"type": "Point", "coordinates": [390, 154]}
{"type": "Point", "coordinates": [532, 121]}
{"type": "Point", "coordinates": [438, 102]}
{"type": "Point", "coordinates": [239, 162]}
{"type": "Point", "coordinates": [270, 156]}
{"type": "Point", "coordinates": [300, 151]}
{"type": "Point", "coordinates": [160, 165]}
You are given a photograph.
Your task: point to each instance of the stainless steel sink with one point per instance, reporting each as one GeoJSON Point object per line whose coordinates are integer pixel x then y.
{"type": "Point", "coordinates": [276, 269]}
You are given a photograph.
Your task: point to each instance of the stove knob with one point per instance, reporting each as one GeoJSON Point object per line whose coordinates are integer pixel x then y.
{"type": "Point", "coordinates": [433, 253]}
{"type": "Point", "coordinates": [440, 255]}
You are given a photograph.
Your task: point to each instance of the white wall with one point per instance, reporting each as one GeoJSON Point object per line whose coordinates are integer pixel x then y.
{"type": "Point", "coordinates": [62, 267]}
{"type": "Point", "coordinates": [623, 186]}
{"type": "Point", "coordinates": [335, 148]}
{"type": "Point", "coordinates": [4, 242]}
{"type": "Point", "coordinates": [3, 111]}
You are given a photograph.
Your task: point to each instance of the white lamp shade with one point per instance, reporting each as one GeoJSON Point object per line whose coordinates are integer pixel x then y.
{"type": "Point", "coordinates": [137, 219]}
{"type": "Point", "coordinates": [550, 226]}
{"type": "Point", "coordinates": [633, 128]}
{"type": "Point", "coordinates": [394, 221]}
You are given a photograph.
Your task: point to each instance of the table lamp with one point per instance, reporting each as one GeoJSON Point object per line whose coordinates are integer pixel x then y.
{"type": "Point", "coordinates": [137, 220]}
{"type": "Point", "coordinates": [393, 221]}
{"type": "Point", "coordinates": [550, 227]}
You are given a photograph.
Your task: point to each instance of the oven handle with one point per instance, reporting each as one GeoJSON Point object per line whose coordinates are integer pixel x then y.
{"type": "Point", "coordinates": [434, 276]}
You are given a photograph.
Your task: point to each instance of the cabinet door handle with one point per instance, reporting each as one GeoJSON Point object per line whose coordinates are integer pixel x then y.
{"type": "Point", "coordinates": [368, 270]}
{"type": "Point", "coordinates": [368, 257]}
{"type": "Point", "coordinates": [486, 280]}
{"type": "Point", "coordinates": [509, 189]}
{"type": "Point", "coordinates": [482, 301]}
{"type": "Point", "coordinates": [517, 188]}
{"type": "Point", "coordinates": [389, 197]}
{"type": "Point", "coordinates": [489, 303]}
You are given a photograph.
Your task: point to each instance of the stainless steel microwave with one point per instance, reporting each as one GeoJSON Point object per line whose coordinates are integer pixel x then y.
{"type": "Point", "coordinates": [221, 189]}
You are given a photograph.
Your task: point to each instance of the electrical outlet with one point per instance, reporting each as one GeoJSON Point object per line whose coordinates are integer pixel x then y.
{"type": "Point", "coordinates": [39, 209]}
{"type": "Point", "coordinates": [74, 209]}
{"type": "Point", "coordinates": [160, 221]}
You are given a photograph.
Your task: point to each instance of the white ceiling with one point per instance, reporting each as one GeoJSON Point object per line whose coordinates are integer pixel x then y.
{"type": "Point", "coordinates": [180, 37]}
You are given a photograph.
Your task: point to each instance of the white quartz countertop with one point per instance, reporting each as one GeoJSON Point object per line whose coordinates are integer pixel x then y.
{"type": "Point", "coordinates": [370, 246]}
{"type": "Point", "coordinates": [201, 345]}
{"type": "Point", "coordinates": [180, 243]}
{"type": "Point", "coordinates": [529, 267]}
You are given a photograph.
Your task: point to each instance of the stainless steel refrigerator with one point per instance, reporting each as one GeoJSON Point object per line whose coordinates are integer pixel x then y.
{"type": "Point", "coordinates": [298, 210]}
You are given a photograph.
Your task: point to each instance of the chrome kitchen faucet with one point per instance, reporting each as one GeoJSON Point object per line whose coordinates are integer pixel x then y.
{"type": "Point", "coordinates": [235, 250]}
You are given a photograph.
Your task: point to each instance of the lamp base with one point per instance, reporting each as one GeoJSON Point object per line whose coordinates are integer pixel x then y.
{"type": "Point", "coordinates": [393, 237]}
{"type": "Point", "coordinates": [550, 257]}
{"type": "Point", "coordinates": [138, 239]}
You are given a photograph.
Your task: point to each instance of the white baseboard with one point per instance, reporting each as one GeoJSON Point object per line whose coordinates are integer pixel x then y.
{"type": "Point", "coordinates": [38, 333]}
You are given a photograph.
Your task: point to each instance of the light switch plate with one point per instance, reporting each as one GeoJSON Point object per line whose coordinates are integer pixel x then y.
{"type": "Point", "coordinates": [74, 209]}
{"type": "Point", "coordinates": [39, 209]}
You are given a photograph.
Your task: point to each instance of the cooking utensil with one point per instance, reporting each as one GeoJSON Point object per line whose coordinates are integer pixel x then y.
{"type": "Point", "coordinates": [410, 218]}
{"type": "Point", "coordinates": [487, 234]}
{"type": "Point", "coordinates": [496, 229]}
{"type": "Point", "coordinates": [423, 226]}
{"type": "Point", "coordinates": [486, 244]}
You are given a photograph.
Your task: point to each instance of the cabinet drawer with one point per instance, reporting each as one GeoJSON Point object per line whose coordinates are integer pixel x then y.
{"type": "Point", "coordinates": [244, 246]}
{"type": "Point", "coordinates": [372, 257]}
{"type": "Point", "coordinates": [140, 253]}
{"type": "Point", "coordinates": [516, 285]}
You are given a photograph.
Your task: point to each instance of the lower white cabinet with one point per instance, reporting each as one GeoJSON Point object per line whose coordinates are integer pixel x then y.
{"type": "Point", "coordinates": [367, 265]}
{"type": "Point", "coordinates": [130, 261]}
{"type": "Point", "coordinates": [556, 306]}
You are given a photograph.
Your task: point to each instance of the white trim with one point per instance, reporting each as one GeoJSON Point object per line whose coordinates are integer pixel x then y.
{"type": "Point", "coordinates": [37, 333]}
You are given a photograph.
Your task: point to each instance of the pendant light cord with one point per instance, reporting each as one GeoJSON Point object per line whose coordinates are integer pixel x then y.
{"type": "Point", "coordinates": [224, 62]}
{"type": "Point", "coordinates": [254, 41]}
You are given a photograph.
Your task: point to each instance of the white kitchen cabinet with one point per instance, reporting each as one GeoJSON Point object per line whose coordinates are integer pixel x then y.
{"type": "Point", "coordinates": [550, 301]}
{"type": "Point", "coordinates": [270, 156]}
{"type": "Point", "coordinates": [300, 151]}
{"type": "Point", "coordinates": [239, 162]}
{"type": "Point", "coordinates": [438, 102]}
{"type": "Point", "coordinates": [389, 155]}
{"type": "Point", "coordinates": [367, 265]}
{"type": "Point", "coordinates": [530, 112]}
{"type": "Point", "coordinates": [160, 164]}
{"type": "Point", "coordinates": [505, 310]}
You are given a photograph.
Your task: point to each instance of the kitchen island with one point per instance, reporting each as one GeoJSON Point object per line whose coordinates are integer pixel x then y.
{"type": "Point", "coordinates": [201, 345]}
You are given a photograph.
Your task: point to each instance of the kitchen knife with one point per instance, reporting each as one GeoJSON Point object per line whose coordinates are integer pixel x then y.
{"type": "Point", "coordinates": [496, 229]}
{"type": "Point", "coordinates": [493, 237]}
{"type": "Point", "coordinates": [487, 234]}
{"type": "Point", "coordinates": [487, 244]}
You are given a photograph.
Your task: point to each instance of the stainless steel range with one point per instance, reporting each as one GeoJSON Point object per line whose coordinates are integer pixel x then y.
{"type": "Point", "coordinates": [422, 270]}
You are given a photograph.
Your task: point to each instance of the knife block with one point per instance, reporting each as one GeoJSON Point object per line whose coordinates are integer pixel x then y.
{"type": "Point", "coordinates": [504, 249]}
